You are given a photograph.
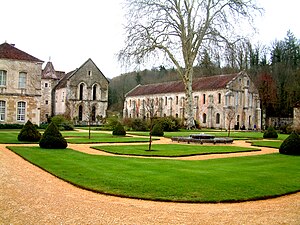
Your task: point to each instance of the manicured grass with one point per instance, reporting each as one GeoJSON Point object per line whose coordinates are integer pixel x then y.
{"type": "Point", "coordinates": [11, 137]}
{"type": "Point", "coordinates": [172, 150]}
{"type": "Point", "coordinates": [270, 144]}
{"type": "Point", "coordinates": [114, 139]}
{"type": "Point", "coordinates": [218, 180]}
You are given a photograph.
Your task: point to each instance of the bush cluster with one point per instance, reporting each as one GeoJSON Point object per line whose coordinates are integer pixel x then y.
{"type": "Point", "coordinates": [29, 133]}
{"type": "Point", "coordinates": [119, 130]}
{"type": "Point", "coordinates": [291, 145]}
{"type": "Point", "coordinates": [52, 138]}
{"type": "Point", "coordinates": [157, 130]}
{"type": "Point", "coordinates": [62, 122]}
{"type": "Point", "coordinates": [270, 133]}
{"type": "Point", "coordinates": [168, 123]}
{"type": "Point", "coordinates": [11, 126]}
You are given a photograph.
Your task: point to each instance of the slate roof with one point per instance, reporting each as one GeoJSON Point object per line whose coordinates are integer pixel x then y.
{"type": "Point", "coordinates": [199, 84]}
{"type": "Point", "coordinates": [8, 51]}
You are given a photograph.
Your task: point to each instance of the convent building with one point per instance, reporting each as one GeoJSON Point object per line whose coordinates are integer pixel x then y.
{"type": "Point", "coordinates": [218, 101]}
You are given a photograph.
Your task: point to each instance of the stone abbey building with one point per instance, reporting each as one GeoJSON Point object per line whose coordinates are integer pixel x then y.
{"type": "Point", "coordinates": [218, 101]}
{"type": "Point", "coordinates": [28, 92]}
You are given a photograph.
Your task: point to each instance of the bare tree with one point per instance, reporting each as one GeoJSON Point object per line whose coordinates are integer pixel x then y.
{"type": "Point", "coordinates": [152, 107]}
{"type": "Point", "coordinates": [230, 117]}
{"type": "Point", "coordinates": [180, 29]}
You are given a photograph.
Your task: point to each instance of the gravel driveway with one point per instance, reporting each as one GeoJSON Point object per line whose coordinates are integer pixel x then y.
{"type": "Point", "coordinates": [28, 195]}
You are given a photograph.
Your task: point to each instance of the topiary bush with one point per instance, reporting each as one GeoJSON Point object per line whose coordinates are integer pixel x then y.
{"type": "Point", "coordinates": [52, 138]}
{"type": "Point", "coordinates": [169, 123]}
{"type": "Point", "coordinates": [157, 130]}
{"type": "Point", "coordinates": [291, 145]}
{"type": "Point", "coordinates": [139, 125]}
{"type": "Point", "coordinates": [29, 133]}
{"type": "Point", "coordinates": [62, 122]}
{"type": "Point", "coordinates": [270, 133]}
{"type": "Point", "coordinates": [119, 130]}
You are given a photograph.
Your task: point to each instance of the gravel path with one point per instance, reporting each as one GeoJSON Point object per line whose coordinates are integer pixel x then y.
{"type": "Point", "coordinates": [28, 195]}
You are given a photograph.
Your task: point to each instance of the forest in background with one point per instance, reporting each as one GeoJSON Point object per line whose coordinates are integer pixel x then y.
{"type": "Point", "coordinates": [275, 69]}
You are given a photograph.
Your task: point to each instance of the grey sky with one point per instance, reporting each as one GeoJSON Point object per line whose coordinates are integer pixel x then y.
{"type": "Point", "coordinates": [70, 32]}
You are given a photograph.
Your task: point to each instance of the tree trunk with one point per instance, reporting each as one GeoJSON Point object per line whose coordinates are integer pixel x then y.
{"type": "Point", "coordinates": [190, 123]}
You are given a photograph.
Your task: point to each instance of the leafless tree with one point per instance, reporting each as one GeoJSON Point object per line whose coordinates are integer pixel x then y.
{"type": "Point", "coordinates": [180, 29]}
{"type": "Point", "coordinates": [152, 106]}
{"type": "Point", "coordinates": [230, 117]}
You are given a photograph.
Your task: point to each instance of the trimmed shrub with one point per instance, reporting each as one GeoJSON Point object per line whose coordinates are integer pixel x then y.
{"type": "Point", "coordinates": [11, 126]}
{"type": "Point", "coordinates": [157, 130]}
{"type": "Point", "coordinates": [29, 133]}
{"type": "Point", "coordinates": [270, 133]}
{"type": "Point", "coordinates": [52, 138]}
{"type": "Point", "coordinates": [291, 145]}
{"type": "Point", "coordinates": [169, 123]}
{"type": "Point", "coordinates": [62, 123]}
{"type": "Point", "coordinates": [119, 130]}
{"type": "Point", "coordinates": [139, 125]}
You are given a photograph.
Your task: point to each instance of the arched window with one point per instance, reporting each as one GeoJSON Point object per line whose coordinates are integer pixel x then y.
{"type": "Point", "coordinates": [80, 113]}
{"type": "Point", "coordinates": [218, 118]}
{"type": "Point", "coordinates": [95, 92]}
{"type": "Point", "coordinates": [94, 113]}
{"type": "Point", "coordinates": [219, 98]}
{"type": "Point", "coordinates": [204, 100]}
{"type": "Point", "coordinates": [81, 86]}
{"type": "Point", "coordinates": [21, 111]}
{"type": "Point", "coordinates": [204, 118]}
{"type": "Point", "coordinates": [2, 110]}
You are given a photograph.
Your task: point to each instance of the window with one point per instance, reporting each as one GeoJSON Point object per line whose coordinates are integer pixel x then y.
{"type": "Point", "coordinates": [204, 100]}
{"type": "Point", "coordinates": [2, 110]}
{"type": "Point", "coordinates": [204, 118]}
{"type": "Point", "coordinates": [95, 92]}
{"type": "Point", "coordinates": [2, 78]}
{"type": "Point", "coordinates": [219, 98]}
{"type": "Point", "coordinates": [93, 113]}
{"type": "Point", "coordinates": [21, 111]}
{"type": "Point", "coordinates": [46, 84]}
{"type": "Point", "coordinates": [166, 101]}
{"type": "Point", "coordinates": [176, 100]}
{"type": "Point", "coordinates": [80, 113]}
{"type": "Point", "coordinates": [218, 118]}
{"type": "Point", "coordinates": [90, 73]}
{"type": "Point", "coordinates": [63, 97]}
{"type": "Point", "coordinates": [46, 102]}
{"type": "Point", "coordinates": [22, 80]}
{"type": "Point", "coordinates": [81, 91]}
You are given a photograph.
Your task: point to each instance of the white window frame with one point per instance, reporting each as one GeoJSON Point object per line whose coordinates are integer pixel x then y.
{"type": "Point", "coordinates": [3, 77]}
{"type": "Point", "coordinates": [21, 111]}
{"type": "Point", "coordinates": [22, 80]}
{"type": "Point", "coordinates": [2, 110]}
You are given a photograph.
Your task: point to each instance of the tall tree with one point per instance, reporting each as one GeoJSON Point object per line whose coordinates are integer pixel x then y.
{"type": "Point", "coordinates": [180, 29]}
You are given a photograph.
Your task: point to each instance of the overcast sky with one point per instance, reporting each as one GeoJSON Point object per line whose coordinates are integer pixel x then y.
{"type": "Point", "coordinates": [70, 32]}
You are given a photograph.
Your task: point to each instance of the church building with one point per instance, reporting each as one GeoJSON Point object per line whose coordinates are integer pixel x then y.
{"type": "Point", "coordinates": [28, 92]}
{"type": "Point", "coordinates": [219, 101]}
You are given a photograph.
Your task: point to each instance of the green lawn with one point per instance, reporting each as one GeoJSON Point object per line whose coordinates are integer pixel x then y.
{"type": "Point", "coordinates": [172, 150]}
{"type": "Point", "coordinates": [10, 137]}
{"type": "Point", "coordinates": [218, 180]}
{"type": "Point", "coordinates": [270, 144]}
{"type": "Point", "coordinates": [114, 139]}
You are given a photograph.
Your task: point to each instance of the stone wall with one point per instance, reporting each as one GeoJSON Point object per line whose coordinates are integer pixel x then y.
{"type": "Point", "coordinates": [31, 94]}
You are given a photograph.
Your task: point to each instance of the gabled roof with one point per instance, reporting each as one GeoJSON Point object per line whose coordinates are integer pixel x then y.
{"type": "Point", "coordinates": [63, 82]}
{"type": "Point", "coordinates": [50, 73]}
{"type": "Point", "coordinates": [8, 51]}
{"type": "Point", "coordinates": [199, 84]}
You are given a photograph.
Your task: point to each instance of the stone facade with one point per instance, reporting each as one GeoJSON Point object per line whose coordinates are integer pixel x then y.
{"type": "Point", "coordinates": [215, 99]}
{"type": "Point", "coordinates": [82, 93]}
{"type": "Point", "coordinates": [29, 93]}
{"type": "Point", "coordinates": [20, 86]}
{"type": "Point", "coordinates": [296, 118]}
